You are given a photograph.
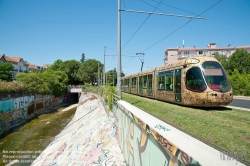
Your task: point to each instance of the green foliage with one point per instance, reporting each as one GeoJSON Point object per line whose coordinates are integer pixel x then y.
{"type": "Point", "coordinates": [88, 71]}
{"type": "Point", "coordinates": [70, 67]}
{"type": "Point", "coordinates": [56, 82]}
{"type": "Point", "coordinates": [57, 65]}
{"type": "Point", "coordinates": [34, 83]}
{"type": "Point", "coordinates": [83, 58]}
{"type": "Point", "coordinates": [5, 71]}
{"type": "Point", "coordinates": [222, 59]}
{"type": "Point", "coordinates": [48, 82]}
{"type": "Point", "coordinates": [112, 77]}
{"type": "Point", "coordinates": [237, 67]}
{"type": "Point", "coordinates": [240, 83]}
{"type": "Point", "coordinates": [11, 87]}
{"type": "Point", "coordinates": [106, 93]}
{"type": "Point", "coordinates": [240, 60]}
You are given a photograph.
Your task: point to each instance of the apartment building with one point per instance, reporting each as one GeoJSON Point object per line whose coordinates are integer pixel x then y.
{"type": "Point", "coordinates": [175, 54]}
{"type": "Point", "coordinates": [21, 66]}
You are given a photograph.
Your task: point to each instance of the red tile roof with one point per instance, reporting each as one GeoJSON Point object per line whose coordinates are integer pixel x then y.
{"type": "Point", "coordinates": [33, 67]}
{"type": "Point", "coordinates": [13, 59]}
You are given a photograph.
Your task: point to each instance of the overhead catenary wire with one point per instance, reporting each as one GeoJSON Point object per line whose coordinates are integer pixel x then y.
{"type": "Point", "coordinates": [181, 26]}
{"type": "Point", "coordinates": [132, 56]}
{"type": "Point", "coordinates": [141, 25]}
{"type": "Point", "coordinates": [166, 5]}
{"type": "Point", "coordinates": [173, 7]}
{"type": "Point", "coordinates": [124, 4]}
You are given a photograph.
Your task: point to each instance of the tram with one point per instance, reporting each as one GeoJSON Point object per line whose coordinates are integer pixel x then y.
{"type": "Point", "coordinates": [194, 81]}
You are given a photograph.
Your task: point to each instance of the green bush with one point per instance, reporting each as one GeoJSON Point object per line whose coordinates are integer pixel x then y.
{"type": "Point", "coordinates": [240, 83]}
{"type": "Point", "coordinates": [106, 92]}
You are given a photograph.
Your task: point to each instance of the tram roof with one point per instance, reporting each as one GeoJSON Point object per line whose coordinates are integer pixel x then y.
{"type": "Point", "coordinates": [182, 62]}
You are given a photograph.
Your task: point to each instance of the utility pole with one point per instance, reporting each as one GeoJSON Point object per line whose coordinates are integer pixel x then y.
{"type": "Point", "coordinates": [98, 83]}
{"type": "Point", "coordinates": [113, 72]}
{"type": "Point", "coordinates": [104, 67]}
{"type": "Point", "coordinates": [119, 88]}
{"type": "Point", "coordinates": [101, 80]}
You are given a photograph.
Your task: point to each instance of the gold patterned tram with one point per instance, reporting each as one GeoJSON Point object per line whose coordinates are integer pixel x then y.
{"type": "Point", "coordinates": [194, 81]}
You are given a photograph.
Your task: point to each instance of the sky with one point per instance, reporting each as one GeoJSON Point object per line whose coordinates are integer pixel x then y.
{"type": "Point", "coordinates": [42, 31]}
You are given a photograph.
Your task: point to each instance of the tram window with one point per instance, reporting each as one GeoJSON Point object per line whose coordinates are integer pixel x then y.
{"type": "Point", "coordinates": [194, 80]}
{"type": "Point", "coordinates": [169, 80]}
{"type": "Point", "coordinates": [134, 82]}
{"type": "Point", "coordinates": [161, 80]}
{"type": "Point", "coordinates": [140, 81]}
{"type": "Point", "coordinates": [215, 76]}
{"type": "Point", "coordinates": [126, 83]}
{"type": "Point", "coordinates": [144, 81]}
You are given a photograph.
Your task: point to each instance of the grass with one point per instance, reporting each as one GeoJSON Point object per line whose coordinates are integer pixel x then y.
{"type": "Point", "coordinates": [228, 129]}
{"type": "Point", "coordinates": [37, 134]}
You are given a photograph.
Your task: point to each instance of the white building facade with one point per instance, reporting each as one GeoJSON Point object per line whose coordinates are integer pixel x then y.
{"type": "Point", "coordinates": [175, 54]}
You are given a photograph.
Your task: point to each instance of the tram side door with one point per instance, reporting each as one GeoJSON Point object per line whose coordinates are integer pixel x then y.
{"type": "Point", "coordinates": [177, 85]}
{"type": "Point", "coordinates": [140, 85]}
{"type": "Point", "coordinates": [150, 85]}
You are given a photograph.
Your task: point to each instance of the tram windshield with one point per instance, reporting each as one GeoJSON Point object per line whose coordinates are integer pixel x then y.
{"type": "Point", "coordinates": [215, 76]}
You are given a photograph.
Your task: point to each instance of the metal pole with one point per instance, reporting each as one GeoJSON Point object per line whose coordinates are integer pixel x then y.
{"type": "Point", "coordinates": [142, 60]}
{"type": "Point", "coordinates": [119, 88]}
{"type": "Point", "coordinates": [98, 83]}
{"type": "Point", "coordinates": [141, 65]}
{"type": "Point", "coordinates": [113, 72]}
{"type": "Point", "coordinates": [104, 67]}
{"type": "Point", "coordinates": [101, 80]}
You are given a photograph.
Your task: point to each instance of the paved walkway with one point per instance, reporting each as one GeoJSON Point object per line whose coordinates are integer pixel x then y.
{"type": "Point", "coordinates": [89, 139]}
{"type": "Point", "coordinates": [242, 97]}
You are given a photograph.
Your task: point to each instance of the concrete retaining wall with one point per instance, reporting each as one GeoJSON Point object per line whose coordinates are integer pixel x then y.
{"type": "Point", "coordinates": [146, 140]}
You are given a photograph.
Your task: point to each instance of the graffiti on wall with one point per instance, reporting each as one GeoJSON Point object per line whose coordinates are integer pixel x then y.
{"type": "Point", "coordinates": [10, 117]}
{"type": "Point", "coordinates": [143, 145]}
{"type": "Point", "coordinates": [88, 139]}
{"type": "Point", "coordinates": [15, 110]}
{"type": "Point", "coordinates": [39, 106]}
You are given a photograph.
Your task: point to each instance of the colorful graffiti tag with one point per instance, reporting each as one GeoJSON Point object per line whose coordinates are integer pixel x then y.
{"type": "Point", "coordinates": [15, 110]}
{"type": "Point", "coordinates": [89, 139]}
{"type": "Point", "coordinates": [143, 145]}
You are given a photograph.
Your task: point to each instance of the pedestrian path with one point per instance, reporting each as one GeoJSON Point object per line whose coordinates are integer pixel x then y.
{"type": "Point", "coordinates": [89, 138]}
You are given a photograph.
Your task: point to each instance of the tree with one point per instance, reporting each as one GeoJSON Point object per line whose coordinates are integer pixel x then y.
{"type": "Point", "coordinates": [49, 82]}
{"type": "Point", "coordinates": [240, 60]}
{"type": "Point", "coordinates": [222, 59]}
{"type": "Point", "coordinates": [88, 71]}
{"type": "Point", "coordinates": [57, 65]}
{"type": "Point", "coordinates": [82, 60]}
{"type": "Point", "coordinates": [70, 67]}
{"type": "Point", "coordinates": [56, 81]}
{"type": "Point", "coordinates": [34, 83]}
{"type": "Point", "coordinates": [5, 71]}
{"type": "Point", "coordinates": [112, 77]}
{"type": "Point", "coordinates": [240, 83]}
